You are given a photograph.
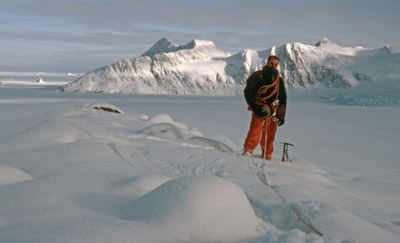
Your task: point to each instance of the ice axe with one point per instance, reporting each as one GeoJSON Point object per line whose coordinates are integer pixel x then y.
{"type": "Point", "coordinates": [285, 155]}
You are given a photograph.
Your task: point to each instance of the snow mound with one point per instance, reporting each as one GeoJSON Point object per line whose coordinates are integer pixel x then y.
{"type": "Point", "coordinates": [198, 208]}
{"type": "Point", "coordinates": [165, 118]}
{"type": "Point", "coordinates": [139, 185]}
{"type": "Point", "coordinates": [211, 144]}
{"type": "Point", "coordinates": [105, 107]}
{"type": "Point", "coordinates": [143, 117]}
{"type": "Point", "coordinates": [171, 132]}
{"type": "Point", "coordinates": [10, 175]}
{"type": "Point", "coordinates": [50, 132]}
{"type": "Point", "coordinates": [162, 130]}
{"type": "Point", "coordinates": [160, 118]}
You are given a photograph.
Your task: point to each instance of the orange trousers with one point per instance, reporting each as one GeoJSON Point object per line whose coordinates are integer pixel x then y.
{"type": "Point", "coordinates": [259, 127]}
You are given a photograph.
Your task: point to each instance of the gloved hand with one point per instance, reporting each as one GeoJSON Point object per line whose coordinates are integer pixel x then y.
{"type": "Point", "coordinates": [281, 111]}
{"type": "Point", "coordinates": [280, 114]}
{"type": "Point", "coordinates": [261, 110]}
{"type": "Point", "coordinates": [281, 122]}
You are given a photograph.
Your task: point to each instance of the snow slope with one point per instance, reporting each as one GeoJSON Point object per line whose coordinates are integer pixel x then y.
{"type": "Point", "coordinates": [166, 169]}
{"type": "Point", "coordinates": [345, 74]}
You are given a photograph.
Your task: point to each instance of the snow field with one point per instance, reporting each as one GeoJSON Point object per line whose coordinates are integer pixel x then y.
{"type": "Point", "coordinates": [80, 174]}
{"type": "Point", "coordinates": [198, 206]}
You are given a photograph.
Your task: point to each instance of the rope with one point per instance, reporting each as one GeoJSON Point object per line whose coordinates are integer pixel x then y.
{"type": "Point", "coordinates": [309, 225]}
{"type": "Point", "coordinates": [263, 90]}
{"type": "Point", "coordinates": [265, 126]}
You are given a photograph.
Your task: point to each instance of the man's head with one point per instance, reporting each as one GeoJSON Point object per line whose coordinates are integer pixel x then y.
{"type": "Point", "coordinates": [273, 62]}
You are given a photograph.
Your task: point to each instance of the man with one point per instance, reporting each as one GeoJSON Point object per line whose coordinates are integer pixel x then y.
{"type": "Point", "coordinates": [265, 94]}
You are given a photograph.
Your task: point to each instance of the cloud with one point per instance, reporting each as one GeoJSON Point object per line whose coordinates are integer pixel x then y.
{"type": "Point", "coordinates": [129, 15]}
{"type": "Point", "coordinates": [133, 26]}
{"type": "Point", "coordinates": [199, 17]}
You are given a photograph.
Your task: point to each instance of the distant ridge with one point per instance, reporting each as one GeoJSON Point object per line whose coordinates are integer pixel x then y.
{"type": "Point", "coordinates": [199, 67]}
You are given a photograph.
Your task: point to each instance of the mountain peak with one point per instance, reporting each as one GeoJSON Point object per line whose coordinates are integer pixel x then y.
{"type": "Point", "coordinates": [206, 47]}
{"type": "Point", "coordinates": [324, 41]}
{"type": "Point", "coordinates": [163, 45]}
{"type": "Point", "coordinates": [200, 43]}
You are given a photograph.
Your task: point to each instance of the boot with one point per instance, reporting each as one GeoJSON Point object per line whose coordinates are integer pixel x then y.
{"type": "Point", "coordinates": [247, 153]}
{"type": "Point", "coordinates": [268, 156]}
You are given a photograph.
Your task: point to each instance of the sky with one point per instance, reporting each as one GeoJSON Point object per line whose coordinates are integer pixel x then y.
{"type": "Point", "coordinates": [80, 36]}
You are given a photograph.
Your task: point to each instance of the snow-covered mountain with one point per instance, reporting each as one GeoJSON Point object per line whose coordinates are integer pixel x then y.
{"type": "Point", "coordinates": [199, 67]}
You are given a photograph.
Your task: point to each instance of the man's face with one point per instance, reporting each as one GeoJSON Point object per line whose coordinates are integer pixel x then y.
{"type": "Point", "coordinates": [273, 63]}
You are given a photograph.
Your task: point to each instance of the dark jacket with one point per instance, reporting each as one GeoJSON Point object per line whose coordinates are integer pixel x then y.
{"type": "Point", "coordinates": [255, 83]}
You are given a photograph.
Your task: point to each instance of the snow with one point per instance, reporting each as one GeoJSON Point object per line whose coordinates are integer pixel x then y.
{"type": "Point", "coordinates": [168, 169]}
{"type": "Point", "coordinates": [139, 185]}
{"type": "Point", "coordinates": [197, 208]}
{"type": "Point", "coordinates": [11, 175]}
{"type": "Point", "coordinates": [330, 47]}
{"type": "Point", "coordinates": [162, 46]}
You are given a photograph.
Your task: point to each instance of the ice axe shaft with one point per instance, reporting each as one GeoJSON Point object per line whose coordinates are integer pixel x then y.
{"type": "Point", "coordinates": [285, 155]}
